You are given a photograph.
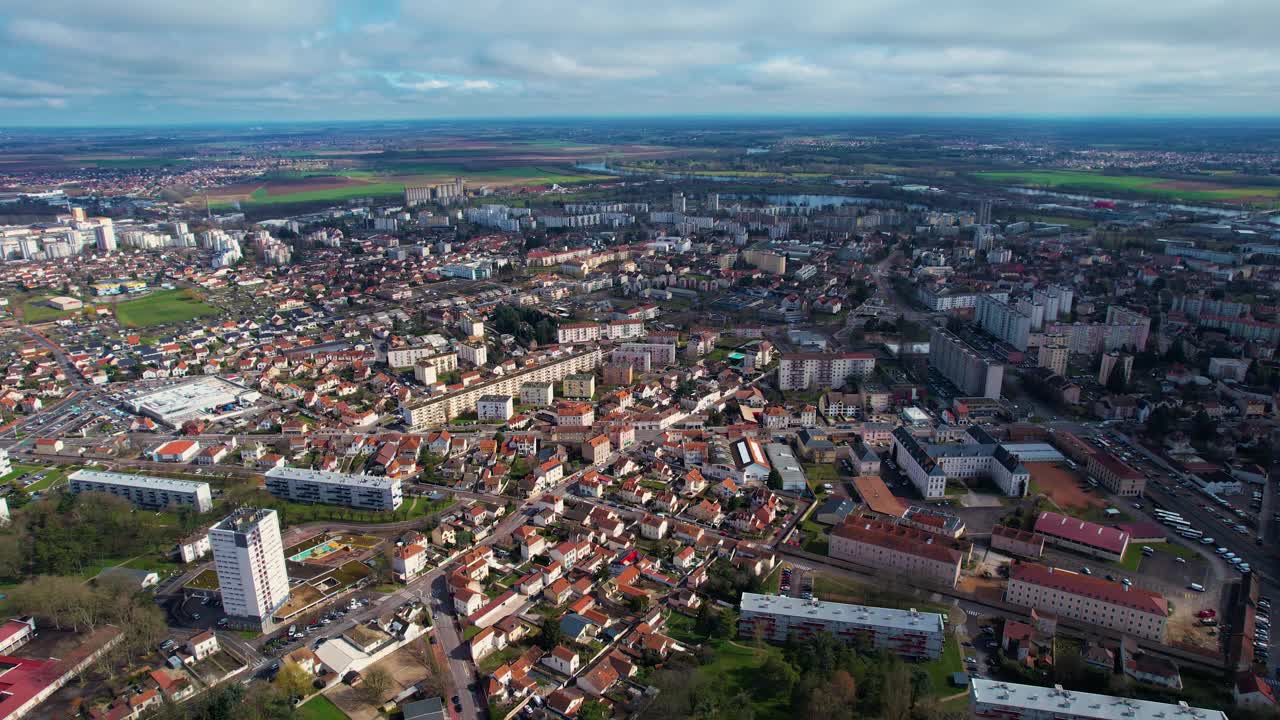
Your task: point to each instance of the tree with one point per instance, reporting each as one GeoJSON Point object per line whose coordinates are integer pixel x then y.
{"type": "Point", "coordinates": [292, 681]}
{"type": "Point", "coordinates": [374, 685]}
{"type": "Point", "coordinates": [897, 692]}
{"type": "Point", "coordinates": [551, 633]}
{"type": "Point", "coordinates": [775, 479]}
{"type": "Point", "coordinates": [638, 603]}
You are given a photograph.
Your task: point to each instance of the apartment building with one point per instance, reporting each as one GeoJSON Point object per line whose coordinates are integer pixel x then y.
{"type": "Point", "coordinates": [430, 354]}
{"type": "Point", "coordinates": [889, 546]}
{"type": "Point", "coordinates": [321, 487]}
{"type": "Point", "coordinates": [1054, 354]}
{"type": "Point", "coordinates": [1112, 605]}
{"type": "Point", "coordinates": [929, 466]}
{"type": "Point", "coordinates": [945, 299]}
{"type": "Point", "coordinates": [804, 371]}
{"type": "Point", "coordinates": [582, 332]}
{"type": "Point", "coordinates": [537, 393]}
{"type": "Point", "coordinates": [249, 560]}
{"type": "Point", "coordinates": [143, 490]}
{"type": "Point", "coordinates": [997, 700]}
{"type": "Point", "coordinates": [575, 414]}
{"type": "Point", "coordinates": [658, 354]}
{"type": "Point", "coordinates": [906, 633]}
{"type": "Point", "coordinates": [1003, 321]}
{"type": "Point", "coordinates": [495, 407]}
{"type": "Point", "coordinates": [579, 386]}
{"type": "Point", "coordinates": [1123, 364]}
{"type": "Point", "coordinates": [969, 370]}
{"type": "Point", "coordinates": [1140, 324]}
{"type": "Point", "coordinates": [438, 410]}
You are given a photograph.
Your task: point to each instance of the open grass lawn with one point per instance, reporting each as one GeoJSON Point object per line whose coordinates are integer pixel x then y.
{"type": "Point", "coordinates": [35, 311]}
{"type": "Point", "coordinates": [940, 670]}
{"type": "Point", "coordinates": [166, 306]}
{"type": "Point", "coordinates": [819, 474]}
{"type": "Point", "coordinates": [320, 708]}
{"type": "Point", "coordinates": [1207, 189]}
{"type": "Point", "coordinates": [20, 469]}
{"type": "Point", "coordinates": [741, 666]}
{"type": "Point", "coordinates": [838, 588]}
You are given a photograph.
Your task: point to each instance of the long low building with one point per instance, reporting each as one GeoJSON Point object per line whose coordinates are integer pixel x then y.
{"type": "Point", "coordinates": [907, 633]}
{"type": "Point", "coordinates": [1112, 605]}
{"type": "Point", "coordinates": [195, 399]}
{"type": "Point", "coordinates": [888, 546]}
{"type": "Point", "coordinates": [438, 410]}
{"type": "Point", "coordinates": [996, 700]}
{"type": "Point", "coordinates": [368, 492]}
{"type": "Point", "coordinates": [1088, 538]}
{"type": "Point", "coordinates": [143, 490]}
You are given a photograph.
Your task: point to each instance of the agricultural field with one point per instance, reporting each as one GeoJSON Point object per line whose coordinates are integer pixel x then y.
{"type": "Point", "coordinates": [160, 308]}
{"type": "Point", "coordinates": [339, 185]}
{"type": "Point", "coordinates": [1164, 188]}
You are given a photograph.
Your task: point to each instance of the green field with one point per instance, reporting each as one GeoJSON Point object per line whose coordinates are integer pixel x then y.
{"type": "Point", "coordinates": [1168, 188]}
{"type": "Point", "coordinates": [160, 308]}
{"type": "Point", "coordinates": [35, 311]}
{"type": "Point", "coordinates": [390, 179]}
{"type": "Point", "coordinates": [320, 708]}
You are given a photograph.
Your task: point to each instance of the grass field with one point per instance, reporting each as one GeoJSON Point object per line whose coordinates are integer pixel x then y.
{"type": "Point", "coordinates": [1167, 188]}
{"type": "Point", "coordinates": [35, 311]}
{"type": "Point", "coordinates": [320, 708]}
{"type": "Point", "coordinates": [163, 307]}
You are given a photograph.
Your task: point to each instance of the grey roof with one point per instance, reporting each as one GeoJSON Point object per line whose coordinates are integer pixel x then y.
{"type": "Point", "coordinates": [842, 612]}
{"type": "Point", "coordinates": [429, 709]}
{"type": "Point", "coordinates": [1071, 703]}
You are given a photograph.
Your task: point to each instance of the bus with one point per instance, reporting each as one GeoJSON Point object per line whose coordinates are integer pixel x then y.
{"type": "Point", "coordinates": [1191, 534]}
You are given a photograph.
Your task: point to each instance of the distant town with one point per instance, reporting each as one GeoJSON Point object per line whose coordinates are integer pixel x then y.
{"type": "Point", "coordinates": [758, 430]}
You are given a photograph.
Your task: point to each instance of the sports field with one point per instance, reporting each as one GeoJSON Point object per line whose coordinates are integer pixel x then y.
{"type": "Point", "coordinates": [160, 308]}
{"type": "Point", "coordinates": [1166, 188]}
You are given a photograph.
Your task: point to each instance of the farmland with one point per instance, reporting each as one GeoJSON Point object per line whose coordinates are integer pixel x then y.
{"type": "Point", "coordinates": [341, 185]}
{"type": "Point", "coordinates": [160, 308]}
{"type": "Point", "coordinates": [1164, 188]}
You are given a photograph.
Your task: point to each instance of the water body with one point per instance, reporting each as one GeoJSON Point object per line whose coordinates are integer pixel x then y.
{"type": "Point", "coordinates": [1221, 212]}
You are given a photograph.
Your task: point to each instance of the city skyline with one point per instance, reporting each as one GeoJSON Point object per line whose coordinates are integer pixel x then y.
{"type": "Point", "coordinates": [74, 63]}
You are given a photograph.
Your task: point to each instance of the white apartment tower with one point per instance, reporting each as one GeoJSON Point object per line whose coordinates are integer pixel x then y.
{"type": "Point", "coordinates": [249, 559]}
{"type": "Point", "coordinates": [105, 235]}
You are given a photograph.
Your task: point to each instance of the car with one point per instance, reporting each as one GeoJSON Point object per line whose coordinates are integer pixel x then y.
{"type": "Point", "coordinates": [1086, 571]}
{"type": "Point", "coordinates": [195, 616]}
{"type": "Point", "coordinates": [971, 660]}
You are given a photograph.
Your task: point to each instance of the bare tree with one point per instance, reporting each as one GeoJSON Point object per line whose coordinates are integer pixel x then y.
{"type": "Point", "coordinates": [374, 685]}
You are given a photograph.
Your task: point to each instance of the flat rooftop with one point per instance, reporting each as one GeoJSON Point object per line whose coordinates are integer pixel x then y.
{"type": "Point", "coordinates": [842, 612]}
{"type": "Point", "coordinates": [1082, 704]}
{"type": "Point", "coordinates": [333, 478]}
{"type": "Point", "coordinates": [137, 481]}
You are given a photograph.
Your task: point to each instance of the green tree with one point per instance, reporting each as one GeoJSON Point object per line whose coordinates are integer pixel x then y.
{"type": "Point", "coordinates": [775, 479]}
{"type": "Point", "coordinates": [292, 681]}
{"type": "Point", "coordinates": [551, 634]}
{"type": "Point", "coordinates": [593, 710]}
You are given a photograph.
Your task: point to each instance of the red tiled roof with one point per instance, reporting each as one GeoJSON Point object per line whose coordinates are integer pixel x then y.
{"type": "Point", "coordinates": [898, 538]}
{"type": "Point", "coordinates": [1089, 586]}
{"type": "Point", "coordinates": [1082, 531]}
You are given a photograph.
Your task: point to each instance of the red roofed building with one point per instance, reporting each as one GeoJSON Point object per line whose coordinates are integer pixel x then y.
{"type": "Point", "coordinates": [885, 545]}
{"type": "Point", "coordinates": [1107, 604]}
{"type": "Point", "coordinates": [178, 451]}
{"type": "Point", "coordinates": [1082, 536]}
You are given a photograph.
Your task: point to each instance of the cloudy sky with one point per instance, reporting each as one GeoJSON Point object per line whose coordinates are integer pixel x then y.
{"type": "Point", "coordinates": [86, 62]}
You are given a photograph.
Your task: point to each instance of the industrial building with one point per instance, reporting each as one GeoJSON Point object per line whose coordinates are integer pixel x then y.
{"type": "Point", "coordinates": [367, 492]}
{"type": "Point", "coordinates": [200, 398]}
{"type": "Point", "coordinates": [143, 490]}
{"type": "Point", "coordinates": [906, 633]}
